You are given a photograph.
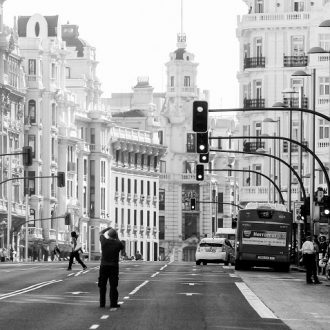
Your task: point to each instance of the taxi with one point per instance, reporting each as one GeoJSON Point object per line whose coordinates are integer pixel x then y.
{"type": "Point", "coordinates": [214, 250]}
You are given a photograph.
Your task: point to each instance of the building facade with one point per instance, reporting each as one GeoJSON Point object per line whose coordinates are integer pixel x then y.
{"type": "Point", "coordinates": [275, 38]}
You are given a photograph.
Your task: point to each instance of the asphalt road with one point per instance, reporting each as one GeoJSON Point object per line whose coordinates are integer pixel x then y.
{"type": "Point", "coordinates": [153, 295]}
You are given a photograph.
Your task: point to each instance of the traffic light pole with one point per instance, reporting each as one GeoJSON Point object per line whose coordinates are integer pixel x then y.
{"type": "Point", "coordinates": [326, 175]}
{"type": "Point", "coordinates": [251, 171]}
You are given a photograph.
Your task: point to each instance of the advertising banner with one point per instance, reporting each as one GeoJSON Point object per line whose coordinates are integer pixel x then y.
{"type": "Point", "coordinates": [264, 237]}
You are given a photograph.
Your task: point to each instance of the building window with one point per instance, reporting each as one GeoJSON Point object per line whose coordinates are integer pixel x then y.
{"type": "Point", "coordinates": [162, 166]}
{"type": "Point", "coordinates": [141, 217]}
{"type": "Point", "coordinates": [116, 215]}
{"type": "Point", "coordinates": [155, 188]}
{"type": "Point", "coordinates": [246, 177]}
{"type": "Point", "coordinates": [324, 41]}
{"type": "Point", "coordinates": [122, 185]}
{"type": "Point", "coordinates": [148, 188]}
{"type": "Point", "coordinates": [128, 216]}
{"type": "Point", "coordinates": [297, 45]}
{"type": "Point", "coordinates": [161, 137]}
{"type": "Point", "coordinates": [257, 177]}
{"type": "Point", "coordinates": [323, 129]}
{"type": "Point", "coordinates": [32, 111]}
{"type": "Point", "coordinates": [53, 114]}
{"type": "Point", "coordinates": [324, 86]}
{"type": "Point", "coordinates": [128, 186]}
{"type": "Point", "coordinates": [172, 81]}
{"type": "Point", "coordinates": [32, 143]}
{"type": "Point", "coordinates": [148, 218]}
{"type": "Point", "coordinates": [67, 73]}
{"type": "Point", "coordinates": [92, 135]}
{"type": "Point", "coordinates": [102, 198]}
{"type": "Point", "coordinates": [259, 6]}
{"type": "Point", "coordinates": [53, 73]}
{"type": "Point", "coordinates": [161, 234]}
{"type": "Point", "coordinates": [186, 81]}
{"type": "Point", "coordinates": [190, 167]}
{"type": "Point", "coordinates": [116, 184]}
{"type": "Point", "coordinates": [298, 5]}
{"type": "Point", "coordinates": [135, 186]}
{"type": "Point", "coordinates": [155, 219]}
{"type": "Point", "coordinates": [32, 70]}
{"type": "Point", "coordinates": [161, 199]}
{"type": "Point", "coordinates": [135, 217]}
{"type": "Point", "coordinates": [142, 184]}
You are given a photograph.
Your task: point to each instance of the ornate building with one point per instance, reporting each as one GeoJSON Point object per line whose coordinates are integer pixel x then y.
{"type": "Point", "coordinates": [12, 91]}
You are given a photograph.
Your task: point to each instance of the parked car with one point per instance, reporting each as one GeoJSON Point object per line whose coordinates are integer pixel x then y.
{"type": "Point", "coordinates": [214, 250]}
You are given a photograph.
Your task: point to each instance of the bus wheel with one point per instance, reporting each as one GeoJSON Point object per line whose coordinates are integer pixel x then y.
{"type": "Point", "coordinates": [204, 263]}
{"type": "Point", "coordinates": [198, 262]}
{"type": "Point", "coordinates": [237, 265]}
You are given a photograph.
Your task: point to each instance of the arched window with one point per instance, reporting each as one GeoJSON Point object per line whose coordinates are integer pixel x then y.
{"type": "Point", "coordinates": [32, 111]}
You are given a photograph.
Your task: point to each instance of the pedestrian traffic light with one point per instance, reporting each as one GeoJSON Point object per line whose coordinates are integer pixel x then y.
{"type": "Point", "coordinates": [192, 204]}
{"type": "Point", "coordinates": [326, 205]}
{"type": "Point", "coordinates": [60, 179]}
{"type": "Point", "coordinates": [200, 172]}
{"type": "Point", "coordinates": [67, 219]}
{"type": "Point", "coordinates": [200, 116]}
{"type": "Point", "coordinates": [203, 143]}
{"type": "Point", "coordinates": [27, 156]}
{"type": "Point", "coordinates": [204, 158]}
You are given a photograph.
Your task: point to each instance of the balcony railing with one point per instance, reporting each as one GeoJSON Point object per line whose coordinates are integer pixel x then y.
{"type": "Point", "coordinates": [254, 62]}
{"type": "Point", "coordinates": [253, 146]}
{"type": "Point", "coordinates": [293, 102]}
{"type": "Point", "coordinates": [254, 103]}
{"type": "Point", "coordinates": [295, 61]}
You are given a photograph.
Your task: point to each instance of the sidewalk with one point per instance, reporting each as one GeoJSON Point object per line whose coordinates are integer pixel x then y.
{"type": "Point", "coordinates": [299, 305]}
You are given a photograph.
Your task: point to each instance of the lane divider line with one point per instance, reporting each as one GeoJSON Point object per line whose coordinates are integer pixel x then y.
{"type": "Point", "coordinates": [263, 311]}
{"type": "Point", "coordinates": [104, 317]}
{"type": "Point", "coordinates": [153, 275]}
{"type": "Point", "coordinates": [94, 326]}
{"type": "Point", "coordinates": [28, 289]}
{"type": "Point", "coordinates": [139, 287]}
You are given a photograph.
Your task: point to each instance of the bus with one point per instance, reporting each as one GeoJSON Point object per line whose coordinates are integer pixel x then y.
{"type": "Point", "coordinates": [263, 236]}
{"type": "Point", "coordinates": [229, 233]}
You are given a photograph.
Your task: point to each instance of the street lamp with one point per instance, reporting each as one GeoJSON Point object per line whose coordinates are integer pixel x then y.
{"type": "Point", "coordinates": [301, 73]}
{"type": "Point", "coordinates": [278, 122]}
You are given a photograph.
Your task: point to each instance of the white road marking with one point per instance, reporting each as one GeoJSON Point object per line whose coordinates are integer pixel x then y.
{"type": "Point", "coordinates": [153, 275]}
{"type": "Point", "coordinates": [28, 289]}
{"type": "Point", "coordinates": [139, 287]}
{"type": "Point", "coordinates": [104, 317]}
{"type": "Point", "coordinates": [233, 275]}
{"type": "Point", "coordinates": [126, 297]}
{"type": "Point", "coordinates": [163, 267]}
{"type": "Point", "coordinates": [190, 293]}
{"type": "Point", "coordinates": [77, 292]}
{"type": "Point", "coordinates": [255, 302]}
{"type": "Point", "coordinates": [94, 326]}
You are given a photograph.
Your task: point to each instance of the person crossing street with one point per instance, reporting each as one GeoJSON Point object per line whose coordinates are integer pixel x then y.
{"type": "Point", "coordinates": [76, 247]}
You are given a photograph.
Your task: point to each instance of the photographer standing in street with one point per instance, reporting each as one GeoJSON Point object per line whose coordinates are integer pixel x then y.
{"type": "Point", "coordinates": [109, 268]}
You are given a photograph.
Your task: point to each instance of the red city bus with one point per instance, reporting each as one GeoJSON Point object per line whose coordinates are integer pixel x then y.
{"type": "Point", "coordinates": [263, 236]}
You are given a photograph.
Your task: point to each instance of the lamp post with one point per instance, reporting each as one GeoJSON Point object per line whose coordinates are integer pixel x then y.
{"type": "Point", "coordinates": [278, 124]}
{"type": "Point", "coordinates": [301, 73]}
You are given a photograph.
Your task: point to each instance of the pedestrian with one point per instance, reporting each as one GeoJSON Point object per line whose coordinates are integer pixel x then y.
{"type": "Point", "coordinates": [317, 252]}
{"type": "Point", "coordinates": [109, 268]}
{"type": "Point", "coordinates": [76, 247]}
{"type": "Point", "coordinates": [309, 259]}
{"type": "Point", "coordinates": [57, 252]}
{"type": "Point", "coordinates": [138, 255]}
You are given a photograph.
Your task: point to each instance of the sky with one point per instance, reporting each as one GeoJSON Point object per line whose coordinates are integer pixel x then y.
{"type": "Point", "coordinates": [135, 37]}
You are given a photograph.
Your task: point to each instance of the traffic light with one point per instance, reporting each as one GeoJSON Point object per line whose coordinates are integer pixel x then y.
{"type": "Point", "coordinates": [67, 219]}
{"type": "Point", "coordinates": [199, 172]}
{"type": "Point", "coordinates": [204, 158]}
{"type": "Point", "coordinates": [200, 116]}
{"type": "Point", "coordinates": [203, 143]}
{"type": "Point", "coordinates": [326, 205]}
{"type": "Point", "coordinates": [303, 215]}
{"type": "Point", "coordinates": [27, 156]}
{"type": "Point", "coordinates": [234, 223]}
{"type": "Point", "coordinates": [192, 204]}
{"type": "Point", "coordinates": [60, 179]}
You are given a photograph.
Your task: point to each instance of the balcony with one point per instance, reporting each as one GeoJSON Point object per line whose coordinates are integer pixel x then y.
{"type": "Point", "coordinates": [254, 62]}
{"type": "Point", "coordinates": [253, 146]}
{"type": "Point", "coordinates": [253, 194]}
{"type": "Point", "coordinates": [293, 102]}
{"type": "Point", "coordinates": [294, 147]}
{"type": "Point", "coordinates": [295, 61]}
{"type": "Point", "coordinates": [254, 103]}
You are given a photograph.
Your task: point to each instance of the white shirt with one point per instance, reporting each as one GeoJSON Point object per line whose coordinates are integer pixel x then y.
{"type": "Point", "coordinates": [308, 247]}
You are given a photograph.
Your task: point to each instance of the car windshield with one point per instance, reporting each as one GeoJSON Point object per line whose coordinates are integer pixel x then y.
{"type": "Point", "coordinates": [210, 244]}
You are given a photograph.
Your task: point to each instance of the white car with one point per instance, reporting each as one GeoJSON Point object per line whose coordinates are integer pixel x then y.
{"type": "Point", "coordinates": [214, 250]}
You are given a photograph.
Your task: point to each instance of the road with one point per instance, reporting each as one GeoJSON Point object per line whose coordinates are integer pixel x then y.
{"type": "Point", "coordinates": [153, 295]}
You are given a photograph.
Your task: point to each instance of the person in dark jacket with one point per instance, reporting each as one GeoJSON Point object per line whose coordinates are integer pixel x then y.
{"type": "Point", "coordinates": [109, 268]}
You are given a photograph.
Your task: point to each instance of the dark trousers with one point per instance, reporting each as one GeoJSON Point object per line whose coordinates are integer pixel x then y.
{"type": "Point", "coordinates": [75, 254]}
{"type": "Point", "coordinates": [311, 268]}
{"type": "Point", "coordinates": [110, 273]}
